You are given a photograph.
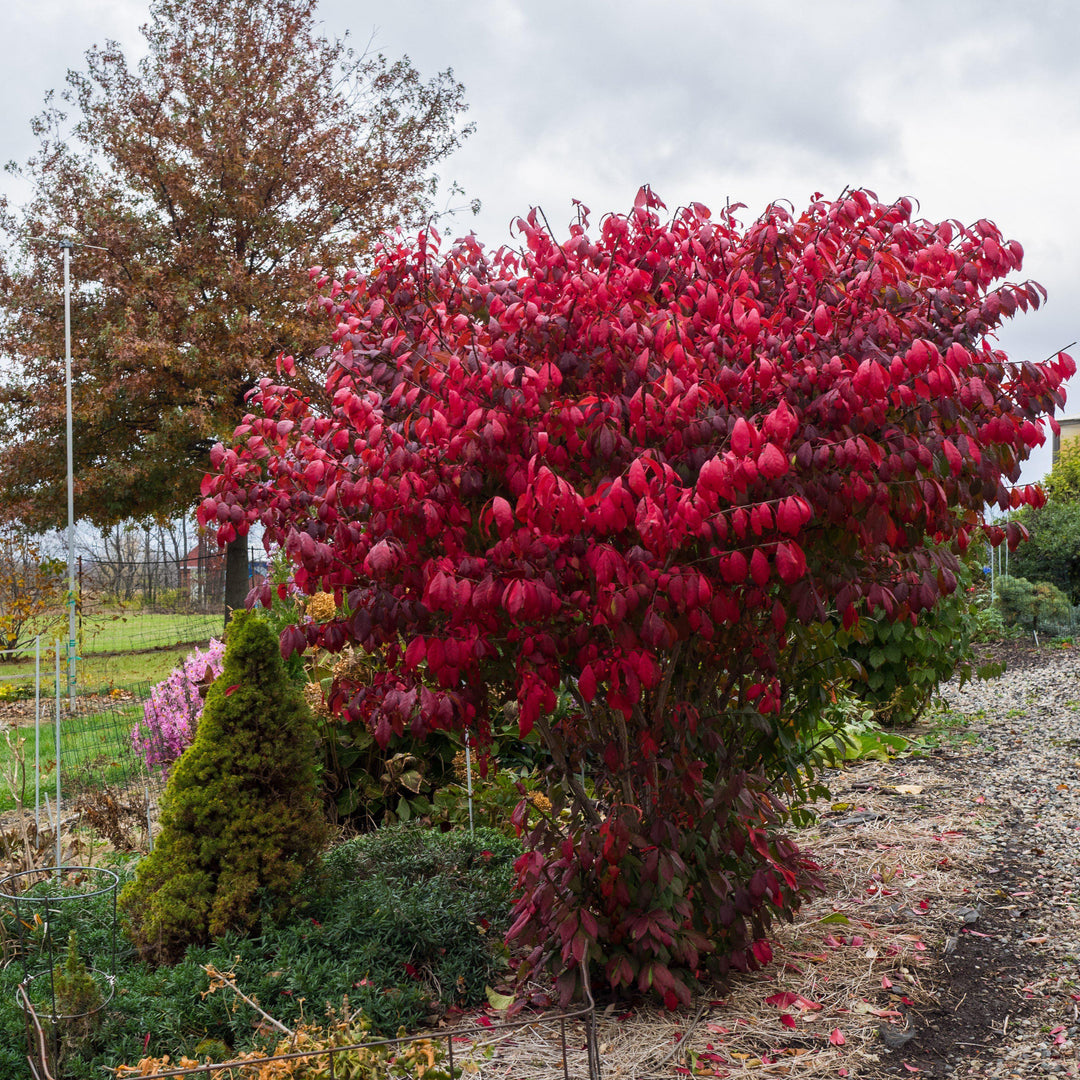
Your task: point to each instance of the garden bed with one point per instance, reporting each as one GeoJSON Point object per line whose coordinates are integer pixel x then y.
{"type": "Point", "coordinates": [944, 945]}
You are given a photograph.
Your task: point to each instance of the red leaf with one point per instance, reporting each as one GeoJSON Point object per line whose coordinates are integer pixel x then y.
{"type": "Point", "coordinates": [787, 1020]}
{"type": "Point", "coordinates": [782, 999]}
{"type": "Point", "coordinates": [836, 1037]}
{"type": "Point", "coordinates": [734, 567]}
{"type": "Point", "coordinates": [790, 561]}
{"type": "Point", "coordinates": [781, 424]}
{"type": "Point", "coordinates": [415, 652]}
{"type": "Point", "coordinates": [772, 462]}
{"type": "Point", "coordinates": [504, 516]}
{"type": "Point", "coordinates": [759, 567]}
{"type": "Point", "coordinates": [232, 689]}
{"type": "Point", "coordinates": [587, 683]}
{"type": "Point", "coordinates": [380, 559]}
{"type": "Point", "coordinates": [292, 641]}
{"type": "Point", "coordinates": [762, 951]}
{"type": "Point", "coordinates": [740, 438]}
{"type": "Point", "coordinates": [956, 462]}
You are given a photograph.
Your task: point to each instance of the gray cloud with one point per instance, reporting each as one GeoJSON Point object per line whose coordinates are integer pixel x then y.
{"type": "Point", "coordinates": [971, 106]}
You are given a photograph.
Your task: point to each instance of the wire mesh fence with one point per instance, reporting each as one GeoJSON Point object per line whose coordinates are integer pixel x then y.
{"type": "Point", "coordinates": [191, 581]}
{"type": "Point", "coordinates": [96, 739]}
{"type": "Point", "coordinates": [80, 757]}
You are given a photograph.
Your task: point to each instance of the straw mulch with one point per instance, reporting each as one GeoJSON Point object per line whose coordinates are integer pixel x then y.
{"type": "Point", "coordinates": [848, 977]}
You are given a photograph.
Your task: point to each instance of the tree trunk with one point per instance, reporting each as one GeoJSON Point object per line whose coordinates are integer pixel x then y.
{"type": "Point", "coordinates": [236, 575]}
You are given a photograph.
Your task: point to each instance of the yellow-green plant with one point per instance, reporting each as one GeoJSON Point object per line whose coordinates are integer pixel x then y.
{"type": "Point", "coordinates": [240, 816]}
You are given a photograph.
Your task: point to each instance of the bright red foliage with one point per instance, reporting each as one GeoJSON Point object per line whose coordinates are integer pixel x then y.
{"type": "Point", "coordinates": [629, 467]}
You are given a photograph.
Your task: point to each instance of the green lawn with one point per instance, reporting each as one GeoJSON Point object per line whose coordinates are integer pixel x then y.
{"type": "Point", "coordinates": [116, 631]}
{"type": "Point", "coordinates": [100, 671]}
{"type": "Point", "coordinates": [122, 648]}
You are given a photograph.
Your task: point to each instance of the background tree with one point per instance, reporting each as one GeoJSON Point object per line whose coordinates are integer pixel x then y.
{"type": "Point", "coordinates": [31, 587]}
{"type": "Point", "coordinates": [1063, 482]}
{"type": "Point", "coordinates": [244, 148]}
{"type": "Point", "coordinates": [655, 473]}
{"type": "Point", "coordinates": [1051, 552]}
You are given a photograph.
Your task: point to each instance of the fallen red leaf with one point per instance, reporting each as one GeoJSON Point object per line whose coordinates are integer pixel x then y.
{"type": "Point", "coordinates": [836, 1037]}
{"type": "Point", "coordinates": [762, 951]}
{"type": "Point", "coordinates": [786, 998]}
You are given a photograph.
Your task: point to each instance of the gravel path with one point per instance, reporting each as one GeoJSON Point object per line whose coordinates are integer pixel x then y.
{"type": "Point", "coordinates": [1005, 980]}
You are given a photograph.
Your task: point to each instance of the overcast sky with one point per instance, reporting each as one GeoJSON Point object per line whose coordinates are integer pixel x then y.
{"type": "Point", "coordinates": [970, 106]}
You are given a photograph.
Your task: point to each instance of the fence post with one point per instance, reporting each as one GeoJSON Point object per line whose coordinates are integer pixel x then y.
{"type": "Point", "coordinates": [37, 739]}
{"type": "Point", "coordinates": [58, 760]}
{"type": "Point", "coordinates": [468, 777]}
{"type": "Point", "coordinates": [79, 606]}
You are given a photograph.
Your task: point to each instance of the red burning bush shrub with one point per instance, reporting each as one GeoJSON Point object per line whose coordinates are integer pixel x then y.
{"type": "Point", "coordinates": [644, 473]}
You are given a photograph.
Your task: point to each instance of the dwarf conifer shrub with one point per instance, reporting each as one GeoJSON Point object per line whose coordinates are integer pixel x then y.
{"type": "Point", "coordinates": [240, 816]}
{"type": "Point", "coordinates": [1032, 605]}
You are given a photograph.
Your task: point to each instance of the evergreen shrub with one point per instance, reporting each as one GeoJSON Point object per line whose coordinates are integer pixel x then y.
{"type": "Point", "coordinates": [240, 815]}
{"type": "Point", "coordinates": [1035, 606]}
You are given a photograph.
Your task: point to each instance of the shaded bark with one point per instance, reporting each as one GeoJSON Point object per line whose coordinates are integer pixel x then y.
{"type": "Point", "coordinates": [236, 576]}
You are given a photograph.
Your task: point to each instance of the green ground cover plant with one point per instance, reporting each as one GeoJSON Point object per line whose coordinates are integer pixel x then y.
{"type": "Point", "coordinates": [405, 921]}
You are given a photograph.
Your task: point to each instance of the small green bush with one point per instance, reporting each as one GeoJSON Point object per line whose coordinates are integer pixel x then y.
{"type": "Point", "coordinates": [16, 691]}
{"type": "Point", "coordinates": [904, 664]}
{"type": "Point", "coordinates": [240, 816]}
{"type": "Point", "coordinates": [1033, 606]}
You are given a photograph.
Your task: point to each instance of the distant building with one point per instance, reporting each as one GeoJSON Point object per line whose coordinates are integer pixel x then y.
{"type": "Point", "coordinates": [1070, 429]}
{"type": "Point", "coordinates": [202, 573]}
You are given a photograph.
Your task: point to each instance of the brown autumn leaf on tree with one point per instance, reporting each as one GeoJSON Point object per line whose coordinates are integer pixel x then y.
{"type": "Point", "coordinates": [245, 148]}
